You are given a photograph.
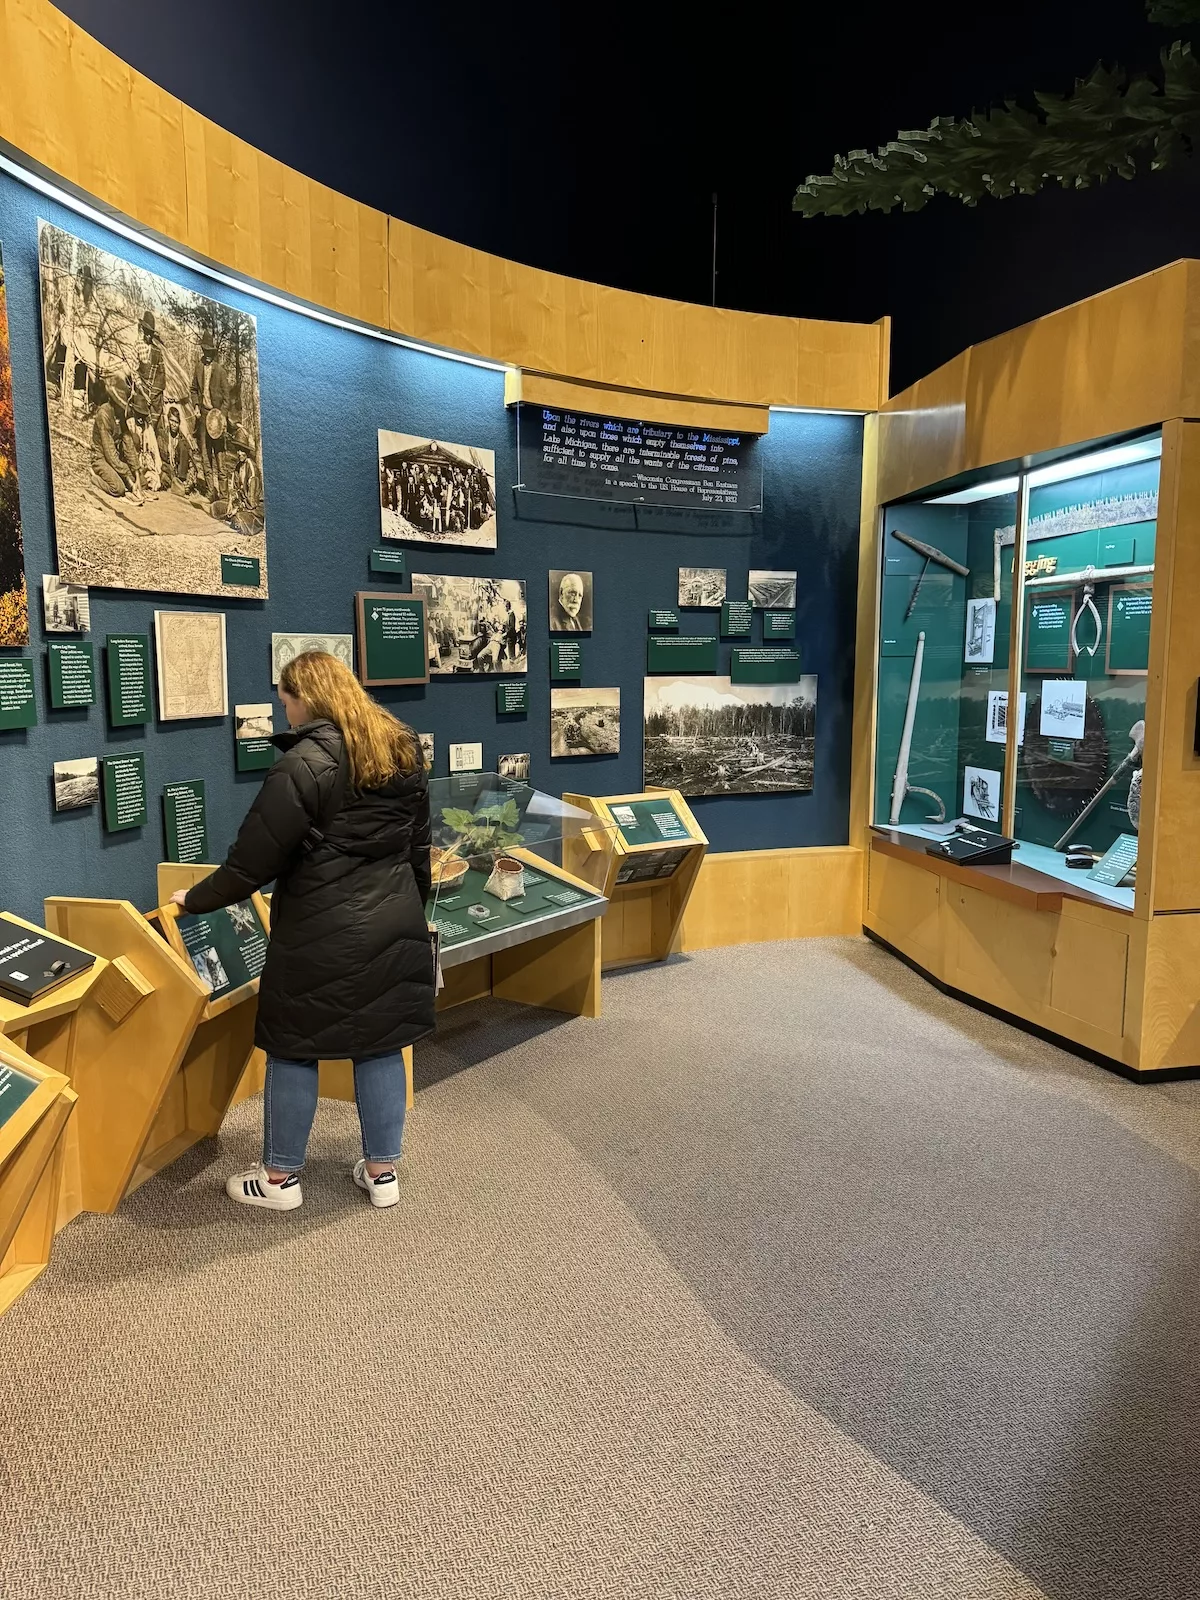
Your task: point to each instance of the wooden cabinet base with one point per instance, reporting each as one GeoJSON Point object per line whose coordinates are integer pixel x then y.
{"type": "Point", "coordinates": [1123, 989]}
{"type": "Point", "coordinates": [31, 1170]}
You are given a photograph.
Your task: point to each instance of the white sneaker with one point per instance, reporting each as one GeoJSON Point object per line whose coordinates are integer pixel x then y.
{"type": "Point", "coordinates": [254, 1188]}
{"type": "Point", "coordinates": [384, 1190]}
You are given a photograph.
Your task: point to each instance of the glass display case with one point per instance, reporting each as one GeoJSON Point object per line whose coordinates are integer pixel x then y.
{"type": "Point", "coordinates": [509, 864]}
{"type": "Point", "coordinates": [1043, 583]}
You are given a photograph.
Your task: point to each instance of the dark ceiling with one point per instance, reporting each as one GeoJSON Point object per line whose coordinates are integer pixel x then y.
{"type": "Point", "coordinates": [591, 139]}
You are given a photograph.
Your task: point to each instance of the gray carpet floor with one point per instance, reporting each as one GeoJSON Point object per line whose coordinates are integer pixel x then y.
{"type": "Point", "coordinates": [789, 1277]}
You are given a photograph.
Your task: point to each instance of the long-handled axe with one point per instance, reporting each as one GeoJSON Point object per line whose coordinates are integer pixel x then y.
{"type": "Point", "coordinates": [931, 553]}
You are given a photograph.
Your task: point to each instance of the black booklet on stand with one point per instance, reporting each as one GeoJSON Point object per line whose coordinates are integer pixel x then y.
{"type": "Point", "coordinates": [31, 962]}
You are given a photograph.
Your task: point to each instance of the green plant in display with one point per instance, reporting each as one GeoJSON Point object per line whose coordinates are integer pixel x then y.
{"type": "Point", "coordinates": [1111, 122]}
{"type": "Point", "coordinates": [489, 830]}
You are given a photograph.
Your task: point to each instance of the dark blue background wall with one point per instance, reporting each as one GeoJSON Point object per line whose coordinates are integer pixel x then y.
{"type": "Point", "coordinates": [325, 393]}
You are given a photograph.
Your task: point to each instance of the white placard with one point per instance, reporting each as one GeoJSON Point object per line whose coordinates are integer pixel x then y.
{"type": "Point", "coordinates": [997, 716]}
{"type": "Point", "coordinates": [1064, 707]}
{"type": "Point", "coordinates": [980, 645]}
{"type": "Point", "coordinates": [981, 793]}
{"type": "Point", "coordinates": [466, 758]}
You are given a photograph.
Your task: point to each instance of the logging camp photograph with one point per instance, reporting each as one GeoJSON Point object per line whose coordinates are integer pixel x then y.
{"type": "Point", "coordinates": [152, 406]}
{"type": "Point", "coordinates": [712, 736]}
{"type": "Point", "coordinates": [431, 492]}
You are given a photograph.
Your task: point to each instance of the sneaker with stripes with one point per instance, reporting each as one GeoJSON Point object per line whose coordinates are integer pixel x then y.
{"type": "Point", "coordinates": [383, 1190]}
{"type": "Point", "coordinates": [254, 1188]}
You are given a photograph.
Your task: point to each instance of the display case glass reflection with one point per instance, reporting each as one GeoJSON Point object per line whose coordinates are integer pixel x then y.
{"type": "Point", "coordinates": [510, 863]}
{"type": "Point", "coordinates": [946, 628]}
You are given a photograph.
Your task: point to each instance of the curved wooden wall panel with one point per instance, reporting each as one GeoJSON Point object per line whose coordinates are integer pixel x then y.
{"type": "Point", "coordinates": [84, 115]}
{"type": "Point", "coordinates": [1120, 360]}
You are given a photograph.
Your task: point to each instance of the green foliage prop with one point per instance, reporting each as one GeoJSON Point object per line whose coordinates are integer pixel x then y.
{"type": "Point", "coordinates": [1111, 122]}
{"type": "Point", "coordinates": [491, 828]}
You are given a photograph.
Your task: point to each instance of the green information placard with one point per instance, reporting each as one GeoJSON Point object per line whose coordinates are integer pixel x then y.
{"type": "Point", "coordinates": [1048, 633]}
{"type": "Point", "coordinates": [663, 621]}
{"type": "Point", "coordinates": [241, 570]}
{"type": "Point", "coordinates": [72, 676]}
{"type": "Point", "coordinates": [736, 617]}
{"type": "Point", "coordinates": [184, 816]}
{"type": "Point", "coordinates": [681, 652]}
{"type": "Point", "coordinates": [255, 755]}
{"type": "Point", "coordinates": [127, 658]}
{"type": "Point", "coordinates": [18, 707]}
{"type": "Point", "coordinates": [566, 660]}
{"type": "Point", "coordinates": [512, 699]}
{"type": "Point", "coordinates": [1116, 549]}
{"type": "Point", "coordinates": [389, 563]}
{"type": "Point", "coordinates": [764, 664]}
{"type": "Point", "coordinates": [779, 624]}
{"type": "Point", "coordinates": [649, 821]}
{"type": "Point", "coordinates": [227, 948]}
{"type": "Point", "coordinates": [15, 1089]}
{"type": "Point", "coordinates": [1129, 608]}
{"type": "Point", "coordinates": [392, 647]}
{"type": "Point", "coordinates": [1116, 860]}
{"type": "Point", "coordinates": [124, 791]}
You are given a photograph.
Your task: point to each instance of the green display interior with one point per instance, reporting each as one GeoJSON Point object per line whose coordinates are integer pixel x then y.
{"type": "Point", "coordinates": [951, 727]}
{"type": "Point", "coordinates": [545, 896]}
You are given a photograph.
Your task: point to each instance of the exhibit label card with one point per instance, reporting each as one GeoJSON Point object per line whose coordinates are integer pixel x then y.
{"type": "Point", "coordinates": [392, 646]}
{"type": "Point", "coordinates": [72, 679]}
{"type": "Point", "coordinates": [242, 571]}
{"type": "Point", "coordinates": [686, 653]}
{"type": "Point", "coordinates": [779, 624]}
{"type": "Point", "coordinates": [1129, 610]}
{"type": "Point", "coordinates": [228, 948]}
{"type": "Point", "coordinates": [662, 621]}
{"type": "Point", "coordinates": [186, 821]}
{"type": "Point", "coordinates": [15, 1089]}
{"type": "Point", "coordinates": [736, 618]}
{"type": "Point", "coordinates": [18, 707]}
{"type": "Point", "coordinates": [764, 664]}
{"type": "Point", "coordinates": [649, 821]}
{"type": "Point", "coordinates": [1048, 634]}
{"type": "Point", "coordinates": [1117, 860]}
{"type": "Point", "coordinates": [127, 657]}
{"type": "Point", "coordinates": [253, 726]}
{"type": "Point", "coordinates": [124, 791]}
{"type": "Point", "coordinates": [566, 660]}
{"type": "Point", "coordinates": [512, 698]}
{"type": "Point", "coordinates": [389, 563]}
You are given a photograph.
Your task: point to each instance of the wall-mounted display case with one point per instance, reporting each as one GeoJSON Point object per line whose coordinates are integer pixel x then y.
{"type": "Point", "coordinates": [1035, 589]}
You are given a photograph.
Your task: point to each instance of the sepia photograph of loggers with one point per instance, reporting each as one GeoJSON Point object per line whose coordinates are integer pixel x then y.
{"type": "Point", "coordinates": [712, 736]}
{"type": "Point", "coordinates": [431, 492]}
{"type": "Point", "coordinates": [474, 624]}
{"type": "Point", "coordinates": [702, 586]}
{"type": "Point", "coordinates": [152, 404]}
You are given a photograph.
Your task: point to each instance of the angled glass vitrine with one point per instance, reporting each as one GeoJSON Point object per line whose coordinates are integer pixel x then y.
{"type": "Point", "coordinates": [1039, 585]}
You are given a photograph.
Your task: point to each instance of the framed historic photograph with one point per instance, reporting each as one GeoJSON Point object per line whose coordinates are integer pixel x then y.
{"type": "Point", "coordinates": [585, 722]}
{"type": "Point", "coordinates": [65, 606]}
{"type": "Point", "coordinates": [474, 625]}
{"type": "Point", "coordinates": [702, 586]}
{"type": "Point", "coordinates": [76, 783]}
{"type": "Point", "coordinates": [432, 492]}
{"type": "Point", "coordinates": [713, 736]}
{"type": "Point", "coordinates": [152, 400]}
{"type": "Point", "coordinates": [570, 601]}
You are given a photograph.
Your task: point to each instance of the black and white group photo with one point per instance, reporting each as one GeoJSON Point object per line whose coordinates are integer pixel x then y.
{"type": "Point", "coordinates": [152, 403]}
{"type": "Point", "coordinates": [515, 767]}
{"type": "Point", "coordinates": [712, 736]}
{"type": "Point", "coordinates": [476, 625]}
{"type": "Point", "coordinates": [570, 601]}
{"type": "Point", "coordinates": [431, 492]}
{"type": "Point", "coordinates": [772, 591]}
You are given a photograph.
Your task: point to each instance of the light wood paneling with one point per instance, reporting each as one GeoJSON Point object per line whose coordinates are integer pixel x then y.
{"type": "Point", "coordinates": [560, 972]}
{"type": "Point", "coordinates": [82, 113]}
{"type": "Point", "coordinates": [1108, 364]}
{"type": "Point", "coordinates": [903, 905]}
{"type": "Point", "coordinates": [535, 388]}
{"type": "Point", "coordinates": [1170, 1002]}
{"type": "Point", "coordinates": [1168, 860]}
{"type": "Point", "coordinates": [31, 1158]}
{"type": "Point", "coordinates": [750, 896]}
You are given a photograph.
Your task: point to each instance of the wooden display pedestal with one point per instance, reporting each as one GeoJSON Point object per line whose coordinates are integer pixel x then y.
{"type": "Point", "coordinates": [1049, 953]}
{"type": "Point", "coordinates": [559, 972]}
{"type": "Point", "coordinates": [645, 912]}
{"type": "Point", "coordinates": [31, 1167]}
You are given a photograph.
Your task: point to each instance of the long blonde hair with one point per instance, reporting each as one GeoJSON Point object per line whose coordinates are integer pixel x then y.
{"type": "Point", "coordinates": [378, 745]}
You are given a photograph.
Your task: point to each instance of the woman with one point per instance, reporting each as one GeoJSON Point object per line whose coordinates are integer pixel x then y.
{"type": "Point", "coordinates": [342, 826]}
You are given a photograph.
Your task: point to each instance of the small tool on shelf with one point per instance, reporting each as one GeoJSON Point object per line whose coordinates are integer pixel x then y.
{"type": "Point", "coordinates": [931, 553]}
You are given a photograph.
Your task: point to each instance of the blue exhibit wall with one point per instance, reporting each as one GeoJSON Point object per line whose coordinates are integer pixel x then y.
{"type": "Point", "coordinates": [325, 391]}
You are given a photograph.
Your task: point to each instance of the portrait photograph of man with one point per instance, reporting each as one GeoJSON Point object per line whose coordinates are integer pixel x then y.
{"type": "Point", "coordinates": [570, 601]}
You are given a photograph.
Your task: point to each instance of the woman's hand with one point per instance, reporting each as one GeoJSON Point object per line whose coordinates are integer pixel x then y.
{"type": "Point", "coordinates": [179, 897]}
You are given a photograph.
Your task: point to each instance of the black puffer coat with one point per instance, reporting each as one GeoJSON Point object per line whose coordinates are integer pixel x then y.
{"type": "Point", "coordinates": [349, 968]}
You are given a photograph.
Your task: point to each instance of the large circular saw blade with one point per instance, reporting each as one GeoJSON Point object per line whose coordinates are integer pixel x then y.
{"type": "Point", "coordinates": [1063, 783]}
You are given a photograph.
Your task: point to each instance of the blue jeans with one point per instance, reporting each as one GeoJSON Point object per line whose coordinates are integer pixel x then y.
{"type": "Point", "coordinates": [290, 1103]}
